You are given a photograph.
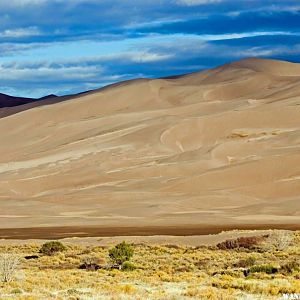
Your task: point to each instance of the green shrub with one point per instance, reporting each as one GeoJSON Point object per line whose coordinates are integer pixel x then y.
{"type": "Point", "coordinates": [120, 254]}
{"type": "Point", "coordinates": [128, 266]}
{"type": "Point", "coordinates": [50, 248]}
{"type": "Point", "coordinates": [268, 269]}
{"type": "Point", "coordinates": [16, 291]}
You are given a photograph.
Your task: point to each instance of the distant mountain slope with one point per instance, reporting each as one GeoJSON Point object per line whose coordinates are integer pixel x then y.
{"type": "Point", "coordinates": [11, 101]}
{"type": "Point", "coordinates": [218, 147]}
{"type": "Point", "coordinates": [10, 105]}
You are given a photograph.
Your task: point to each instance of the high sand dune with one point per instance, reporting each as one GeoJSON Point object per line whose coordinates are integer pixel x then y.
{"type": "Point", "coordinates": [215, 149]}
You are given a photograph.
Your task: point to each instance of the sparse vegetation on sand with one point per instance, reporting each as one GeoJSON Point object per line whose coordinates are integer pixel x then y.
{"type": "Point", "coordinates": [252, 269]}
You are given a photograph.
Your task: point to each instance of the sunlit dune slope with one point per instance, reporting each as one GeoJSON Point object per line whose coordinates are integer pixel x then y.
{"type": "Point", "coordinates": [215, 147]}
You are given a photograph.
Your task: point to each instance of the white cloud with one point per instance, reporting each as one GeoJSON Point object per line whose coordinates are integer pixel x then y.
{"type": "Point", "coordinates": [48, 73]}
{"type": "Point", "coordinates": [144, 57]}
{"type": "Point", "coordinates": [16, 3]}
{"type": "Point", "coordinates": [229, 36]}
{"type": "Point", "coordinates": [128, 56]}
{"type": "Point", "coordinates": [197, 2]}
{"type": "Point", "coordinates": [20, 32]}
{"type": "Point", "coordinates": [22, 3]}
{"type": "Point", "coordinates": [267, 52]}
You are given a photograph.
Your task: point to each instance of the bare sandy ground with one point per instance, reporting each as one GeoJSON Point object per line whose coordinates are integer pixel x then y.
{"type": "Point", "coordinates": [196, 233]}
{"type": "Point", "coordinates": [215, 149]}
{"type": "Point", "coordinates": [170, 240]}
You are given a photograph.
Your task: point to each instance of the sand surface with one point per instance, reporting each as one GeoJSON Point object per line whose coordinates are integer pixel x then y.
{"type": "Point", "coordinates": [215, 149]}
{"type": "Point", "coordinates": [171, 240]}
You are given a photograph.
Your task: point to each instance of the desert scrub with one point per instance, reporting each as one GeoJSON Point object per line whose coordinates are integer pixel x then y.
{"type": "Point", "coordinates": [245, 263]}
{"type": "Point", "coordinates": [278, 240]}
{"type": "Point", "coordinates": [120, 254]}
{"type": "Point", "coordinates": [164, 272]}
{"type": "Point", "coordinates": [249, 242]}
{"type": "Point", "coordinates": [51, 248]}
{"type": "Point", "coordinates": [208, 293]}
{"type": "Point", "coordinates": [92, 263]}
{"type": "Point", "coordinates": [290, 267]}
{"type": "Point", "coordinates": [128, 266]}
{"type": "Point", "coordinates": [268, 269]}
{"type": "Point", "coordinates": [9, 265]}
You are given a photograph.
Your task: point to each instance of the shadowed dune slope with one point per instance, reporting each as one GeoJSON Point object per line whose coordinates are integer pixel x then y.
{"type": "Point", "coordinates": [219, 147]}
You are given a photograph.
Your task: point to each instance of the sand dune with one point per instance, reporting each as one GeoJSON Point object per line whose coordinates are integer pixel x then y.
{"type": "Point", "coordinates": [219, 147]}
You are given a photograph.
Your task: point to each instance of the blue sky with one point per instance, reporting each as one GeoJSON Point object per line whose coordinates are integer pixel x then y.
{"type": "Point", "coordinates": [69, 46]}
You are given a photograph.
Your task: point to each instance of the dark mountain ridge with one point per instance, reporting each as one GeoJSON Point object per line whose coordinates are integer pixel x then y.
{"type": "Point", "coordinates": [12, 101]}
